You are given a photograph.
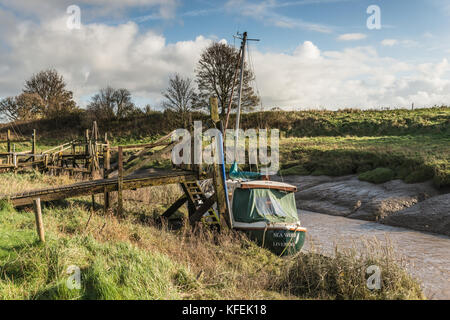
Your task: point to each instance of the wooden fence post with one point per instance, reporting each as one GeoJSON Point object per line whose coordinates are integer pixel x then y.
{"type": "Point", "coordinates": [14, 157]}
{"type": "Point", "coordinates": [120, 184]}
{"type": "Point", "coordinates": [74, 160]}
{"type": "Point", "coordinates": [86, 148]}
{"type": "Point", "coordinates": [106, 168]}
{"type": "Point", "coordinates": [39, 221]}
{"type": "Point", "coordinates": [33, 143]}
{"type": "Point", "coordinates": [8, 137]}
{"type": "Point", "coordinates": [33, 147]}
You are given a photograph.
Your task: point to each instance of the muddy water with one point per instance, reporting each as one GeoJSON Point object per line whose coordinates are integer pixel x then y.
{"type": "Point", "coordinates": [427, 255]}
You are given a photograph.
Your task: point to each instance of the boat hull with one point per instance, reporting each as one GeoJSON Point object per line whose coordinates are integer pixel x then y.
{"type": "Point", "coordinates": [280, 241]}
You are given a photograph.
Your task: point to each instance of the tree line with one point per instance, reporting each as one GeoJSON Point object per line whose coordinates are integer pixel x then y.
{"type": "Point", "coordinates": [45, 94]}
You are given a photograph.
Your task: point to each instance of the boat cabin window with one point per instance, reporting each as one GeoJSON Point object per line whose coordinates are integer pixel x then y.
{"type": "Point", "coordinates": [267, 207]}
{"type": "Point", "coordinates": [253, 205]}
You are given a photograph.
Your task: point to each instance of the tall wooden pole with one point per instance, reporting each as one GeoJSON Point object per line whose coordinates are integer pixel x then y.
{"type": "Point", "coordinates": [39, 221]}
{"type": "Point", "coordinates": [120, 184]}
{"type": "Point", "coordinates": [219, 178]}
{"type": "Point", "coordinates": [241, 80]}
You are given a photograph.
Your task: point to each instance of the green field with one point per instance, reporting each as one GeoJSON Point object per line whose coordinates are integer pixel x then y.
{"type": "Point", "coordinates": [411, 158]}
{"type": "Point", "coordinates": [413, 144]}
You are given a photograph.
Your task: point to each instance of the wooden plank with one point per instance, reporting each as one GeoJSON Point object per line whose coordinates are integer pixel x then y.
{"type": "Point", "coordinates": [157, 143]}
{"type": "Point", "coordinates": [151, 158]}
{"type": "Point", "coordinates": [174, 207]}
{"type": "Point", "coordinates": [58, 147]}
{"type": "Point", "coordinates": [99, 186]}
{"type": "Point", "coordinates": [191, 205]}
{"type": "Point", "coordinates": [29, 164]}
{"type": "Point", "coordinates": [207, 204]}
{"type": "Point", "coordinates": [38, 218]}
{"type": "Point", "coordinates": [268, 185]}
{"type": "Point", "coordinates": [70, 169]}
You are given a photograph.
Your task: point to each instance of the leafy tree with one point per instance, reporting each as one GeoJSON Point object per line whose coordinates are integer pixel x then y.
{"type": "Point", "coordinates": [51, 88]}
{"type": "Point", "coordinates": [215, 75]}
{"type": "Point", "coordinates": [112, 103]}
{"type": "Point", "coordinates": [26, 106]}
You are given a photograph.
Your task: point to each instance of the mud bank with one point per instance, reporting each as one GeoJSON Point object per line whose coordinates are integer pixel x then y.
{"type": "Point", "coordinates": [416, 206]}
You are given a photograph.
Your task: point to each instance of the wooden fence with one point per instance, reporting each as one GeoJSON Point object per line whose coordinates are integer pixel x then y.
{"type": "Point", "coordinates": [79, 156]}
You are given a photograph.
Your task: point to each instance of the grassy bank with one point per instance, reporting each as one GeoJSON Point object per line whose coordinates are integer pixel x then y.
{"type": "Point", "coordinates": [413, 145]}
{"type": "Point", "coordinates": [309, 123]}
{"type": "Point", "coordinates": [411, 158]}
{"type": "Point", "coordinates": [135, 258]}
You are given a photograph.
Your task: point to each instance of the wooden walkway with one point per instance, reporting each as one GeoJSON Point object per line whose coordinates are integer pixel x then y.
{"type": "Point", "coordinates": [133, 181]}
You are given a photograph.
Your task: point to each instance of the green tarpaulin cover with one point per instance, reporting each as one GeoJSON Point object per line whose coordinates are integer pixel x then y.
{"type": "Point", "coordinates": [253, 205]}
{"type": "Point", "coordinates": [235, 173]}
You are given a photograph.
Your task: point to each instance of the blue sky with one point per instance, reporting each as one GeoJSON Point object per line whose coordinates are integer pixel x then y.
{"type": "Point", "coordinates": [312, 53]}
{"type": "Point", "coordinates": [413, 20]}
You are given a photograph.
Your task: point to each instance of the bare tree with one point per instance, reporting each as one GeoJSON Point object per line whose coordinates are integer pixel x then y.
{"type": "Point", "coordinates": [179, 96]}
{"type": "Point", "coordinates": [112, 103]}
{"type": "Point", "coordinates": [215, 75]}
{"type": "Point", "coordinates": [51, 88]}
{"type": "Point", "coordinates": [9, 109]}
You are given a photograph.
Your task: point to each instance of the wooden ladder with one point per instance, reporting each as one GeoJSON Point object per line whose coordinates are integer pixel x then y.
{"type": "Point", "coordinates": [196, 198]}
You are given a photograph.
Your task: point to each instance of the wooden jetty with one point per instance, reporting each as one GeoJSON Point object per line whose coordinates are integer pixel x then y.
{"type": "Point", "coordinates": [79, 156]}
{"type": "Point", "coordinates": [200, 206]}
{"type": "Point", "coordinates": [131, 182]}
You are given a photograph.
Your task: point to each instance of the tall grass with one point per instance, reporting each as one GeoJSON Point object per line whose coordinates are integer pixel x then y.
{"type": "Point", "coordinates": [345, 275]}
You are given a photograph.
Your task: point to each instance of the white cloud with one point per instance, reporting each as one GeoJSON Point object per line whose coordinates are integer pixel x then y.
{"type": "Point", "coordinates": [404, 43]}
{"type": "Point", "coordinates": [389, 42]}
{"type": "Point", "coordinates": [352, 37]}
{"type": "Point", "coordinates": [95, 56]}
{"type": "Point", "coordinates": [265, 11]}
{"type": "Point", "coordinates": [50, 9]}
{"type": "Point", "coordinates": [307, 51]}
{"type": "Point", "coordinates": [355, 77]}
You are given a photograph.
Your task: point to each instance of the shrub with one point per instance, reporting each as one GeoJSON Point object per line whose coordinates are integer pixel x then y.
{"type": "Point", "coordinates": [379, 175]}
{"type": "Point", "coordinates": [295, 170]}
{"type": "Point", "coordinates": [420, 175]}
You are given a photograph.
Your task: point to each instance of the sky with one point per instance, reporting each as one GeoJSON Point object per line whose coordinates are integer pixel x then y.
{"type": "Point", "coordinates": [311, 54]}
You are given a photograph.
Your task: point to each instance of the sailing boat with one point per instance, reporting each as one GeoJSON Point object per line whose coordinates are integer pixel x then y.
{"type": "Point", "coordinates": [265, 210]}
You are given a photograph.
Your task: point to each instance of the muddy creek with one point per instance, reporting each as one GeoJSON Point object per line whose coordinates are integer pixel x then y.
{"type": "Point", "coordinates": [427, 255]}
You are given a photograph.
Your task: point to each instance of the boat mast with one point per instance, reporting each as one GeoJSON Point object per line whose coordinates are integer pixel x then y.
{"type": "Point", "coordinates": [241, 79]}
